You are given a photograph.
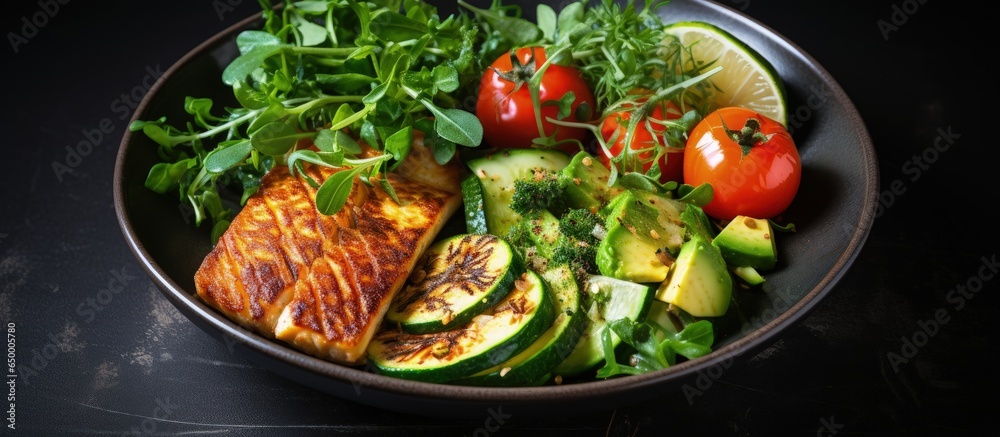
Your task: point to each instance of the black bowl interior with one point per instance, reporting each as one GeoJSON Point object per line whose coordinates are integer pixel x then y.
{"type": "Point", "coordinates": [832, 212]}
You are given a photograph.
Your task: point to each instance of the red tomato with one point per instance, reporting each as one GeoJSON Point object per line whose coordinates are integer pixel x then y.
{"type": "Point", "coordinates": [671, 163]}
{"type": "Point", "coordinates": [505, 109]}
{"type": "Point", "coordinates": [750, 160]}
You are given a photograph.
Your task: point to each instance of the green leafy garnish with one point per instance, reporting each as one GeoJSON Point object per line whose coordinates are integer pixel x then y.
{"type": "Point", "coordinates": [694, 341]}
{"type": "Point", "coordinates": [314, 82]}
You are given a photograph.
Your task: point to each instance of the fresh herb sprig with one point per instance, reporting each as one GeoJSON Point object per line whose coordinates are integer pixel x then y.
{"type": "Point", "coordinates": [324, 74]}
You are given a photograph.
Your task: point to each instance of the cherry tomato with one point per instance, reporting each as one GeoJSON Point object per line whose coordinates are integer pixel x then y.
{"type": "Point", "coordinates": [505, 109]}
{"type": "Point", "coordinates": [749, 159]}
{"type": "Point", "coordinates": [645, 138]}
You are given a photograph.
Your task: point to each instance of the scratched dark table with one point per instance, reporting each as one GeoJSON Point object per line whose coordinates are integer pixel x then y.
{"type": "Point", "coordinates": [906, 343]}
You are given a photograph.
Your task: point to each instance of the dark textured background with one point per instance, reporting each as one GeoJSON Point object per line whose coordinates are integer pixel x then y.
{"type": "Point", "coordinates": [137, 366]}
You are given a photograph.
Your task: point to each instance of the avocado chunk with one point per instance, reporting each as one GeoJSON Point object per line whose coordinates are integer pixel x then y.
{"type": "Point", "coordinates": [586, 182]}
{"type": "Point", "coordinates": [699, 281]}
{"type": "Point", "coordinates": [748, 242]}
{"type": "Point", "coordinates": [644, 234]}
{"type": "Point", "coordinates": [749, 275]}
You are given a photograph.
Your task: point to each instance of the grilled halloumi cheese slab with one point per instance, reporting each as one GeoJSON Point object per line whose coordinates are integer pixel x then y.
{"type": "Point", "coordinates": [323, 283]}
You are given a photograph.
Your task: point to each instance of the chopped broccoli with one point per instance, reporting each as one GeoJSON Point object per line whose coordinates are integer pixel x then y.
{"type": "Point", "coordinates": [578, 254]}
{"type": "Point", "coordinates": [519, 236]}
{"type": "Point", "coordinates": [580, 224]}
{"type": "Point", "coordinates": [544, 191]}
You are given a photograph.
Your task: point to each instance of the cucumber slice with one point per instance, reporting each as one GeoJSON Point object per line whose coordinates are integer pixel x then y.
{"type": "Point", "coordinates": [533, 366]}
{"type": "Point", "coordinates": [472, 198]}
{"type": "Point", "coordinates": [612, 299]}
{"type": "Point", "coordinates": [498, 171]}
{"type": "Point", "coordinates": [489, 339]}
{"type": "Point", "coordinates": [456, 279]}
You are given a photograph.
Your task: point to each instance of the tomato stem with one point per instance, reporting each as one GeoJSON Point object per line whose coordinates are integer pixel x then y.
{"type": "Point", "coordinates": [746, 137]}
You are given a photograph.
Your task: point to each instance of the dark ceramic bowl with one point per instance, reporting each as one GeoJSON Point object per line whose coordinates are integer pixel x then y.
{"type": "Point", "coordinates": [833, 212]}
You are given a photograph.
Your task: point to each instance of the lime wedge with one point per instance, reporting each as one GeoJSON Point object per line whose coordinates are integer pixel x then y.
{"type": "Point", "coordinates": [746, 80]}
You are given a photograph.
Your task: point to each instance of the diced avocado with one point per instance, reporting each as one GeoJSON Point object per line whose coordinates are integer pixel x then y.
{"type": "Point", "coordinates": [748, 242]}
{"type": "Point", "coordinates": [659, 314]}
{"type": "Point", "coordinates": [644, 232]}
{"type": "Point", "coordinates": [699, 281]}
{"type": "Point", "coordinates": [586, 182]}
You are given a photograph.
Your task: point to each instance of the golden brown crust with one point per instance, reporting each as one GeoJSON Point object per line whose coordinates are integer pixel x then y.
{"type": "Point", "coordinates": [323, 283]}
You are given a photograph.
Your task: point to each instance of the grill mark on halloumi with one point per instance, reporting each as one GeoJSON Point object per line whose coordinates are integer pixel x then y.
{"type": "Point", "coordinates": [297, 221]}
{"type": "Point", "coordinates": [264, 273]}
{"type": "Point", "coordinates": [225, 288]}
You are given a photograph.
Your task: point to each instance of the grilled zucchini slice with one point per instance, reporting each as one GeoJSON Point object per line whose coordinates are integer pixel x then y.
{"type": "Point", "coordinates": [533, 366]}
{"type": "Point", "coordinates": [489, 339]}
{"type": "Point", "coordinates": [455, 280]}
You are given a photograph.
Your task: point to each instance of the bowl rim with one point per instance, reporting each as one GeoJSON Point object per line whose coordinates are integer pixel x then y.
{"type": "Point", "coordinates": [752, 341]}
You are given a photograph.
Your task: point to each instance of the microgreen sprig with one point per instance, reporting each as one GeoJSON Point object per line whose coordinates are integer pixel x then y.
{"type": "Point", "coordinates": [318, 83]}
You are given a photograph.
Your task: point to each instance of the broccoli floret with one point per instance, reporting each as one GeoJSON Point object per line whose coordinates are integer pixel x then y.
{"type": "Point", "coordinates": [544, 191]}
{"type": "Point", "coordinates": [577, 243]}
{"type": "Point", "coordinates": [580, 224]}
{"type": "Point", "coordinates": [577, 253]}
{"type": "Point", "coordinates": [519, 236]}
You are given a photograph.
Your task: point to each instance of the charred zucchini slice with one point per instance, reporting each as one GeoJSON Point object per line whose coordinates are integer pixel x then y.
{"type": "Point", "coordinates": [532, 366]}
{"type": "Point", "coordinates": [489, 339]}
{"type": "Point", "coordinates": [455, 280]}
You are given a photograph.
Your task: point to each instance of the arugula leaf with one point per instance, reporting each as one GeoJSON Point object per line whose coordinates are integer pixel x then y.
{"type": "Point", "coordinates": [650, 354]}
{"type": "Point", "coordinates": [249, 40]}
{"type": "Point", "coordinates": [547, 20]}
{"type": "Point", "coordinates": [245, 64]}
{"type": "Point", "coordinates": [164, 176]}
{"type": "Point", "coordinates": [388, 25]}
{"type": "Point", "coordinates": [222, 159]}
{"type": "Point", "coordinates": [519, 31]}
{"type": "Point", "coordinates": [456, 125]}
{"type": "Point", "coordinates": [274, 138]}
{"type": "Point", "coordinates": [333, 194]}
{"type": "Point", "coordinates": [698, 196]}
